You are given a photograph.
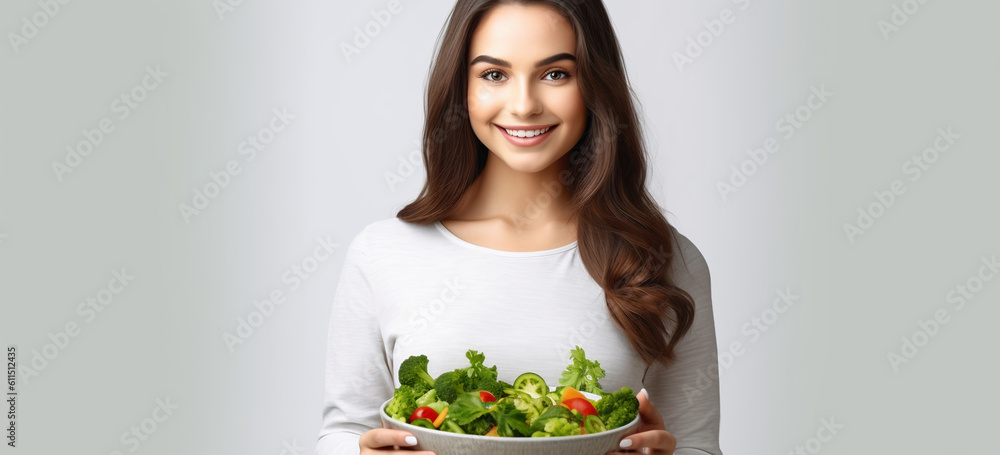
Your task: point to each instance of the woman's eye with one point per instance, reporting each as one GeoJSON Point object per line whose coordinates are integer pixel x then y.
{"type": "Point", "coordinates": [562, 75]}
{"type": "Point", "coordinates": [489, 76]}
{"type": "Point", "coordinates": [497, 76]}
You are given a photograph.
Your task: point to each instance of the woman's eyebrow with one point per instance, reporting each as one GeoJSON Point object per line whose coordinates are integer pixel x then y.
{"type": "Point", "coordinates": [506, 64]}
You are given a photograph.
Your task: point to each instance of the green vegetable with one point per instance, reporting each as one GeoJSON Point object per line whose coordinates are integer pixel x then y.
{"type": "Point", "coordinates": [553, 398]}
{"type": "Point", "coordinates": [451, 384]}
{"type": "Point", "coordinates": [450, 426]}
{"type": "Point", "coordinates": [582, 374]}
{"type": "Point", "coordinates": [619, 408]}
{"type": "Point", "coordinates": [532, 407]}
{"type": "Point", "coordinates": [562, 427]}
{"type": "Point", "coordinates": [593, 424]}
{"type": "Point", "coordinates": [510, 420]}
{"type": "Point", "coordinates": [430, 399]}
{"type": "Point", "coordinates": [426, 423]}
{"type": "Point", "coordinates": [551, 412]}
{"type": "Point", "coordinates": [532, 384]}
{"type": "Point", "coordinates": [413, 372]}
{"type": "Point", "coordinates": [403, 403]}
{"type": "Point", "coordinates": [479, 426]}
{"type": "Point", "coordinates": [526, 408]}
{"type": "Point", "coordinates": [466, 408]}
{"type": "Point", "coordinates": [473, 378]}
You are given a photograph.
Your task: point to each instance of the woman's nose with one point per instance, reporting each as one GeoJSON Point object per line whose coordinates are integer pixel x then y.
{"type": "Point", "coordinates": [525, 101]}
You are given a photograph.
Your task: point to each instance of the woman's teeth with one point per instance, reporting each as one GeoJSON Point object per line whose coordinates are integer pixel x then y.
{"type": "Point", "coordinates": [527, 133]}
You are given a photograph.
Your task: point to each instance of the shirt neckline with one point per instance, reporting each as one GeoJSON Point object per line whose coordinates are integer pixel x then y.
{"type": "Point", "coordinates": [472, 246]}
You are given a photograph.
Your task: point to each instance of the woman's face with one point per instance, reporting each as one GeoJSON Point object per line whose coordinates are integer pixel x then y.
{"type": "Point", "coordinates": [522, 77]}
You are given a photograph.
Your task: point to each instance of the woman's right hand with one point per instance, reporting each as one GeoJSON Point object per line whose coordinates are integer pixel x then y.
{"type": "Point", "coordinates": [381, 441]}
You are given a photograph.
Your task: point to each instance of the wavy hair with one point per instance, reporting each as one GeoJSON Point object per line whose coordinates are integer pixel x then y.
{"type": "Point", "coordinates": [624, 240]}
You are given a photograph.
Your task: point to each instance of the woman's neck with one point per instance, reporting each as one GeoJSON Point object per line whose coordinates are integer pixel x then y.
{"type": "Point", "coordinates": [528, 201]}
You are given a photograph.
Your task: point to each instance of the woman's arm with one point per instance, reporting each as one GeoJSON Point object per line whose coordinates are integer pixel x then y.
{"type": "Point", "coordinates": [687, 393]}
{"type": "Point", "coordinates": [358, 378]}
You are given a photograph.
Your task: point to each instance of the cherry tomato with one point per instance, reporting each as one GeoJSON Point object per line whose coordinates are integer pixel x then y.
{"type": "Point", "coordinates": [582, 405]}
{"type": "Point", "coordinates": [424, 412]}
{"type": "Point", "coordinates": [486, 396]}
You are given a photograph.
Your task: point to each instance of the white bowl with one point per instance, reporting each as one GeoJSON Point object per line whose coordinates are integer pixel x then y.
{"type": "Point", "coordinates": [445, 443]}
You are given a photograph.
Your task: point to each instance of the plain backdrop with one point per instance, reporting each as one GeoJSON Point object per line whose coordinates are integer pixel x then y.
{"type": "Point", "coordinates": [896, 71]}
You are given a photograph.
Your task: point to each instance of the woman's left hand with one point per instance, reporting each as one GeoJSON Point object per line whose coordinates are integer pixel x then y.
{"type": "Point", "coordinates": [652, 437]}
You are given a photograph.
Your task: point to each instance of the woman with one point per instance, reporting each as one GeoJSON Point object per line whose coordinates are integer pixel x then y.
{"type": "Point", "coordinates": [533, 233]}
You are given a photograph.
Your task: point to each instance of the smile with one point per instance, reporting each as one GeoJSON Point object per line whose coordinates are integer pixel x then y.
{"type": "Point", "coordinates": [527, 133]}
{"type": "Point", "coordinates": [526, 137]}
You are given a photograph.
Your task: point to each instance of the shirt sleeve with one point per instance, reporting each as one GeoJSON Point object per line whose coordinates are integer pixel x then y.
{"type": "Point", "coordinates": [687, 392]}
{"type": "Point", "coordinates": [358, 378]}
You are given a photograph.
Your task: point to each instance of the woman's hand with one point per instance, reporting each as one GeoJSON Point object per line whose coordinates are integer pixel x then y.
{"type": "Point", "coordinates": [385, 441]}
{"type": "Point", "coordinates": [652, 436]}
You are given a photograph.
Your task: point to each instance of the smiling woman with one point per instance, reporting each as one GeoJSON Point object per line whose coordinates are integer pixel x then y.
{"type": "Point", "coordinates": [524, 101]}
{"type": "Point", "coordinates": [535, 208]}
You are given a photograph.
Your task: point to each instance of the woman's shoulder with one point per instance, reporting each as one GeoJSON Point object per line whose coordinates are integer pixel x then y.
{"type": "Point", "coordinates": [688, 266]}
{"type": "Point", "coordinates": [388, 234]}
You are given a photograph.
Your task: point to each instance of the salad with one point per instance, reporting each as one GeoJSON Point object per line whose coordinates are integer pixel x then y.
{"type": "Point", "coordinates": [472, 400]}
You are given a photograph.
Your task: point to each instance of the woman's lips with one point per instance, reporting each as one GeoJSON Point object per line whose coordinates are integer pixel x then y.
{"type": "Point", "coordinates": [526, 141]}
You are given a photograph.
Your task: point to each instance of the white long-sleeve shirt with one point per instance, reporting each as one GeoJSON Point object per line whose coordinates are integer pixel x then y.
{"type": "Point", "coordinates": [407, 289]}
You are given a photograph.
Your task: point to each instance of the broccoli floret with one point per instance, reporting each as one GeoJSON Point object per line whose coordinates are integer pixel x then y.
{"type": "Point", "coordinates": [486, 380]}
{"type": "Point", "coordinates": [413, 372]}
{"type": "Point", "coordinates": [582, 374]}
{"type": "Point", "coordinates": [473, 378]}
{"type": "Point", "coordinates": [479, 426]}
{"type": "Point", "coordinates": [618, 409]}
{"type": "Point", "coordinates": [562, 427]}
{"type": "Point", "coordinates": [403, 403]}
{"type": "Point", "coordinates": [451, 384]}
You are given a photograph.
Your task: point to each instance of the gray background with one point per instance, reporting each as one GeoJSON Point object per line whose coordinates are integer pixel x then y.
{"type": "Point", "coordinates": [324, 176]}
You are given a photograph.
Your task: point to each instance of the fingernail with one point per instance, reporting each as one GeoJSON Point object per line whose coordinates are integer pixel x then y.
{"type": "Point", "coordinates": [626, 443]}
{"type": "Point", "coordinates": [644, 392]}
{"type": "Point", "coordinates": [411, 440]}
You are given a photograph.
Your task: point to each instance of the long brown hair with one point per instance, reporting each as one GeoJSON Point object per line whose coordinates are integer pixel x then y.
{"type": "Point", "coordinates": [620, 227]}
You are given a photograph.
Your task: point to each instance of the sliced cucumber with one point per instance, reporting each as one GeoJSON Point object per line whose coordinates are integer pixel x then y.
{"type": "Point", "coordinates": [593, 424]}
{"type": "Point", "coordinates": [532, 384]}
{"type": "Point", "coordinates": [426, 423]}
